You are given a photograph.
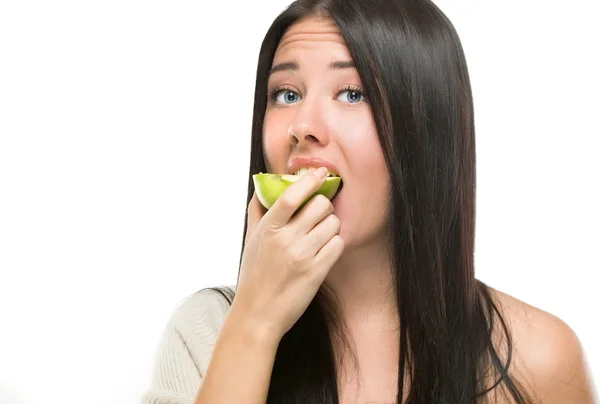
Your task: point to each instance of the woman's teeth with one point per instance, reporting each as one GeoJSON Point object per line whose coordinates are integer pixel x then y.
{"type": "Point", "coordinates": [304, 171]}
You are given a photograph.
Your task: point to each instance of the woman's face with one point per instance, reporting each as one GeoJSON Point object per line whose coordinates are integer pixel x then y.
{"type": "Point", "coordinates": [316, 115]}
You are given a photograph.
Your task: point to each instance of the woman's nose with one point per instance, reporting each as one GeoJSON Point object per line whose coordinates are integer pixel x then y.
{"type": "Point", "coordinates": [308, 126]}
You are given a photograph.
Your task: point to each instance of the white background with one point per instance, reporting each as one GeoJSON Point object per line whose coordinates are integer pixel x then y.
{"type": "Point", "coordinates": [124, 149]}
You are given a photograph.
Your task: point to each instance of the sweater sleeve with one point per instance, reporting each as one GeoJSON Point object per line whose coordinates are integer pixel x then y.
{"type": "Point", "coordinates": [185, 349]}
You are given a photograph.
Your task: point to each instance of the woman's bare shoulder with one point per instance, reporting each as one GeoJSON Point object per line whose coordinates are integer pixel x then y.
{"type": "Point", "coordinates": [547, 353]}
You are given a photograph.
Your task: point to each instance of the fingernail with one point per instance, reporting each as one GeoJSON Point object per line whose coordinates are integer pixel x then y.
{"type": "Point", "coordinates": [321, 172]}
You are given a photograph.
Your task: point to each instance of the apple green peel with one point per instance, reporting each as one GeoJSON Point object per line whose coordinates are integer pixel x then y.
{"type": "Point", "coordinates": [269, 187]}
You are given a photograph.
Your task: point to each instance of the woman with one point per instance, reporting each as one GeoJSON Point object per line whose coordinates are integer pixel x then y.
{"type": "Point", "coordinates": [372, 297]}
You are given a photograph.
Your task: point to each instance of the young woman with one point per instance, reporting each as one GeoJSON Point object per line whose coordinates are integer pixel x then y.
{"type": "Point", "coordinates": [370, 297]}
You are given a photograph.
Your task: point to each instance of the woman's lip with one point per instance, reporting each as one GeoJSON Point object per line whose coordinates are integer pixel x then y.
{"type": "Point", "coordinates": [304, 162]}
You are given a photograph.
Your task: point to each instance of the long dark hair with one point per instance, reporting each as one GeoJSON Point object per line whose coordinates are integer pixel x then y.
{"type": "Point", "coordinates": [413, 69]}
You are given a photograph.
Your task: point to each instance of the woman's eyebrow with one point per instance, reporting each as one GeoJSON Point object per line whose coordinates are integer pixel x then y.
{"type": "Point", "coordinates": [293, 66]}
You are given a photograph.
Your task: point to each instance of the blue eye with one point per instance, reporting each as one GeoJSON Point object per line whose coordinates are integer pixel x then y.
{"type": "Point", "coordinates": [288, 95]}
{"type": "Point", "coordinates": [355, 95]}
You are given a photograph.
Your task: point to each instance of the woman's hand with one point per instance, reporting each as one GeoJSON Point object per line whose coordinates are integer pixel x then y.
{"type": "Point", "coordinates": [287, 255]}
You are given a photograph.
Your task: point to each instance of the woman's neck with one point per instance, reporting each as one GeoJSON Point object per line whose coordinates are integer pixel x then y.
{"type": "Point", "coordinates": [364, 286]}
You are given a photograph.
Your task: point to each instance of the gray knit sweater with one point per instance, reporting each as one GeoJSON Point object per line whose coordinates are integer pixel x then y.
{"type": "Point", "coordinates": [185, 349]}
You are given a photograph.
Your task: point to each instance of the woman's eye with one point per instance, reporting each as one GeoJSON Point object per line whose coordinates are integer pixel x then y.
{"type": "Point", "coordinates": [352, 95]}
{"type": "Point", "coordinates": [288, 95]}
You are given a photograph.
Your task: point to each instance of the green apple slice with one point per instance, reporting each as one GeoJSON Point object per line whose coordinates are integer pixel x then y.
{"type": "Point", "coordinates": [270, 186]}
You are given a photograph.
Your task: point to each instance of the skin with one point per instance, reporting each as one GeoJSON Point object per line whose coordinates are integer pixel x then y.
{"type": "Point", "coordinates": [548, 357]}
{"type": "Point", "coordinates": [313, 116]}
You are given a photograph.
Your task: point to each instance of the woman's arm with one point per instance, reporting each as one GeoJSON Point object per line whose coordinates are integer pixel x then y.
{"type": "Point", "coordinates": [241, 365]}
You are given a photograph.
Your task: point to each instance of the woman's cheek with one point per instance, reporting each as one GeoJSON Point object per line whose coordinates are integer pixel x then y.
{"type": "Point", "coordinates": [274, 141]}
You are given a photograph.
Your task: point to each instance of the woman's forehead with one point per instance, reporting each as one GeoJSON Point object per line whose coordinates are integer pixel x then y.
{"type": "Point", "coordinates": [311, 29]}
